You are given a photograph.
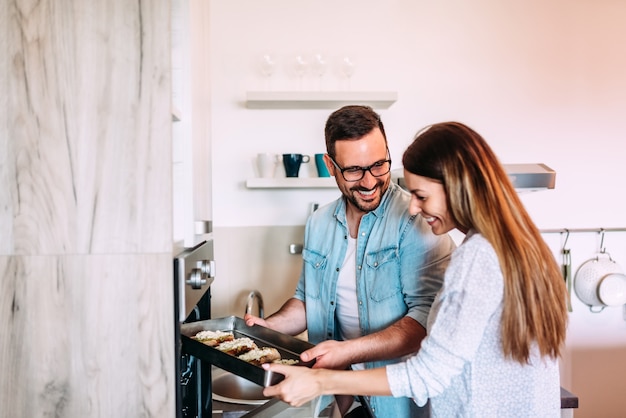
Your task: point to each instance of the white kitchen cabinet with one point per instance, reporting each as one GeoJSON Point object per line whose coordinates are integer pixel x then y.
{"type": "Point", "coordinates": [176, 116]}
{"type": "Point", "coordinates": [192, 192]}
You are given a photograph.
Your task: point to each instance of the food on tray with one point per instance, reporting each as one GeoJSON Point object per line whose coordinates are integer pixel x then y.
{"type": "Point", "coordinates": [259, 356]}
{"type": "Point", "coordinates": [214, 338]}
{"type": "Point", "coordinates": [237, 346]}
{"type": "Point", "coordinates": [287, 361]}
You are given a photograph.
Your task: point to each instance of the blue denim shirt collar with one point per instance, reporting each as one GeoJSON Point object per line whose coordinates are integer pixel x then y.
{"type": "Point", "coordinates": [340, 210]}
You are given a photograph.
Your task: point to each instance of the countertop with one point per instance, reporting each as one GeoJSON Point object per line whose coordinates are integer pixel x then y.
{"type": "Point", "coordinates": [221, 409]}
{"type": "Point", "coordinates": [568, 399]}
{"type": "Point", "coordinates": [229, 410]}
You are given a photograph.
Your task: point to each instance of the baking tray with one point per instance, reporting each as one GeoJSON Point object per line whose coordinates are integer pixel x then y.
{"type": "Point", "coordinates": [288, 347]}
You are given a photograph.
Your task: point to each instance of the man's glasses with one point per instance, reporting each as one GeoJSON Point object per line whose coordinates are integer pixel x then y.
{"type": "Point", "coordinates": [356, 173]}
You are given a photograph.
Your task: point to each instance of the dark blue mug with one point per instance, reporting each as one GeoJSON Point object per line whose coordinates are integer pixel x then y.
{"type": "Point", "coordinates": [292, 163]}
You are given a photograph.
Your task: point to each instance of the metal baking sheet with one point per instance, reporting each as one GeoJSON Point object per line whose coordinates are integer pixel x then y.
{"type": "Point", "coordinates": [288, 347]}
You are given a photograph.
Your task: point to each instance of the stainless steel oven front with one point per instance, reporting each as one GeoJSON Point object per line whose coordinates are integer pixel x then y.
{"type": "Point", "coordinates": [194, 272]}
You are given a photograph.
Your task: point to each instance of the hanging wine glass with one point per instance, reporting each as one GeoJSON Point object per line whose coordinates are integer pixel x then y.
{"type": "Point", "coordinates": [319, 66]}
{"type": "Point", "coordinates": [347, 67]}
{"type": "Point", "coordinates": [300, 68]}
{"type": "Point", "coordinates": [267, 66]}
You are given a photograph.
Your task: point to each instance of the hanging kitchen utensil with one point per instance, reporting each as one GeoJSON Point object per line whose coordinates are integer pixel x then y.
{"type": "Point", "coordinates": [600, 281]}
{"type": "Point", "coordinates": [566, 267]}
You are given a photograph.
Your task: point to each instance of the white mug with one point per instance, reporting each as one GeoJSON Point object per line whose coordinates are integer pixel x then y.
{"type": "Point", "coordinates": [266, 164]}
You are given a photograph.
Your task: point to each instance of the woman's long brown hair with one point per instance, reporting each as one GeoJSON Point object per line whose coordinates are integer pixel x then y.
{"type": "Point", "coordinates": [481, 197]}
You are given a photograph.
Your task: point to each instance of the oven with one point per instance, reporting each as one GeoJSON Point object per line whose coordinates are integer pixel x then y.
{"type": "Point", "coordinates": [194, 272]}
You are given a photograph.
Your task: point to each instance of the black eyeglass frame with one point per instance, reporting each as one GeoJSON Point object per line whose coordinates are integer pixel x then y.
{"type": "Point", "coordinates": [363, 169]}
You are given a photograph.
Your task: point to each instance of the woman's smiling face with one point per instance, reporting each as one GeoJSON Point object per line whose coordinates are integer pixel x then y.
{"type": "Point", "coordinates": [428, 197]}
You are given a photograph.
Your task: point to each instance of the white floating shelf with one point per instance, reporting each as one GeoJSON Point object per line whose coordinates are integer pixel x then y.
{"type": "Point", "coordinates": [318, 99]}
{"type": "Point", "coordinates": [292, 183]}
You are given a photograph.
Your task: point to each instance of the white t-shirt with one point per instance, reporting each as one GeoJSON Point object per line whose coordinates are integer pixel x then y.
{"type": "Point", "coordinates": [346, 311]}
{"type": "Point", "coordinates": [347, 307]}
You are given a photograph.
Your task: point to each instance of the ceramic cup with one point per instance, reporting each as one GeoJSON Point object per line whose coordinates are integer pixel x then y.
{"type": "Point", "coordinates": [292, 163]}
{"type": "Point", "coordinates": [266, 164]}
{"type": "Point", "coordinates": [322, 170]}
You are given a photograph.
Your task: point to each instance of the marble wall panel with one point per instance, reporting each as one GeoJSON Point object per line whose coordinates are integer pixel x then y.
{"type": "Point", "coordinates": [88, 154]}
{"type": "Point", "coordinates": [6, 217]}
{"type": "Point", "coordinates": [86, 336]}
{"type": "Point", "coordinates": [86, 297]}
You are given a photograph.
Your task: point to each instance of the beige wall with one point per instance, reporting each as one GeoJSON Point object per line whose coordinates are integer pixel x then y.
{"type": "Point", "coordinates": [598, 380]}
{"type": "Point", "coordinates": [254, 258]}
{"type": "Point", "coordinates": [85, 210]}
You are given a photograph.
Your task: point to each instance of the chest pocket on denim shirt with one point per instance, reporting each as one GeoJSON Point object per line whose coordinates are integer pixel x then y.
{"type": "Point", "coordinates": [315, 265]}
{"type": "Point", "coordinates": [383, 275]}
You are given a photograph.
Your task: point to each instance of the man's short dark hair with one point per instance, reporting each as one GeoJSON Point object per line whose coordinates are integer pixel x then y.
{"type": "Point", "coordinates": [350, 123]}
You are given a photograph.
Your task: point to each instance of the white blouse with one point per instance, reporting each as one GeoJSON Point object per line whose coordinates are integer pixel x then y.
{"type": "Point", "coordinates": [460, 365]}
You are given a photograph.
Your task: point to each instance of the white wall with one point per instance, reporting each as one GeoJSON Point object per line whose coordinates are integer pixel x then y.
{"type": "Point", "coordinates": [542, 81]}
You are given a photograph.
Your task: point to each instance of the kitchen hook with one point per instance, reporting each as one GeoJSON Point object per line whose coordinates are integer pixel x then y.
{"type": "Point", "coordinates": [567, 270]}
{"type": "Point", "coordinates": [602, 249]}
{"type": "Point", "coordinates": [566, 238]}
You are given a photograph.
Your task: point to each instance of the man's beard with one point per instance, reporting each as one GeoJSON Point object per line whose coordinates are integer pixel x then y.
{"type": "Point", "coordinates": [370, 205]}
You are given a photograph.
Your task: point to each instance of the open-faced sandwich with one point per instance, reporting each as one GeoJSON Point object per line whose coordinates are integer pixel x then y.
{"type": "Point", "coordinates": [213, 338]}
{"type": "Point", "coordinates": [262, 355]}
{"type": "Point", "coordinates": [237, 347]}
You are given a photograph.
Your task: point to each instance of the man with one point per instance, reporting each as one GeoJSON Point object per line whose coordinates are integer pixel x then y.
{"type": "Point", "coordinates": [371, 270]}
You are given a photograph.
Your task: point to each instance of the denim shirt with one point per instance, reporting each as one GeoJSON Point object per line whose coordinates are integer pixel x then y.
{"type": "Point", "coordinates": [399, 264]}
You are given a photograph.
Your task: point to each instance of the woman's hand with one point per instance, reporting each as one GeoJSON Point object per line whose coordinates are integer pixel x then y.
{"type": "Point", "coordinates": [300, 385]}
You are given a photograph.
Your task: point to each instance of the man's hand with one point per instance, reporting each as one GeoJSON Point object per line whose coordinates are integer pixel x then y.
{"type": "Point", "coordinates": [290, 318]}
{"type": "Point", "coordinates": [252, 320]}
{"type": "Point", "coordinates": [329, 354]}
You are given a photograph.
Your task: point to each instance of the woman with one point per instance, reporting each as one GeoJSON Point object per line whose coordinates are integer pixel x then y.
{"type": "Point", "coordinates": [497, 326]}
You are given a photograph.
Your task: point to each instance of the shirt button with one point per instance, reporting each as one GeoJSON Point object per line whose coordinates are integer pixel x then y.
{"type": "Point", "coordinates": [376, 264]}
{"type": "Point", "coordinates": [362, 234]}
{"type": "Point", "coordinates": [359, 267]}
{"type": "Point", "coordinates": [332, 302]}
{"type": "Point", "coordinates": [337, 268]}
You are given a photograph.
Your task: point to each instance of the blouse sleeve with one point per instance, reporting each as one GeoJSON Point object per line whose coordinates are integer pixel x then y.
{"type": "Point", "coordinates": [470, 298]}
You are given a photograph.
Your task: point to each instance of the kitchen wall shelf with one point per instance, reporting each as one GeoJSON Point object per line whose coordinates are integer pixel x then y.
{"type": "Point", "coordinates": [292, 183]}
{"type": "Point", "coordinates": [318, 99]}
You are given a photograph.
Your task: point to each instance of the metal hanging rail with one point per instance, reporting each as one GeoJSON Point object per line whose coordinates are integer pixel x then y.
{"type": "Point", "coordinates": [577, 230]}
